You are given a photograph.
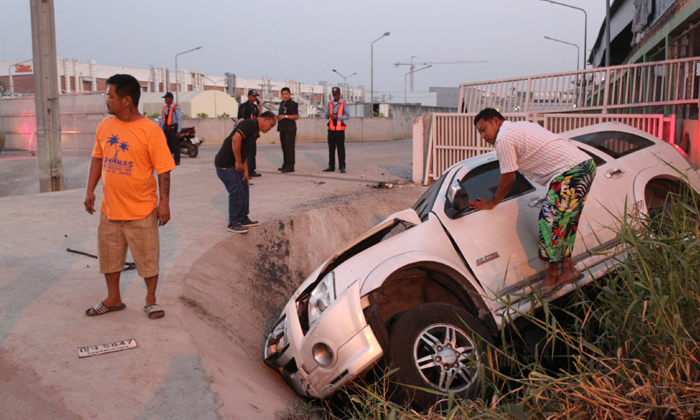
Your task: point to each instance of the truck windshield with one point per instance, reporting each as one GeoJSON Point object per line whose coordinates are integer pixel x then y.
{"type": "Point", "coordinates": [427, 200]}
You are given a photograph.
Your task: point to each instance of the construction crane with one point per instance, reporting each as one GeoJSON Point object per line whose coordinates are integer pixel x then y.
{"type": "Point", "coordinates": [413, 65]}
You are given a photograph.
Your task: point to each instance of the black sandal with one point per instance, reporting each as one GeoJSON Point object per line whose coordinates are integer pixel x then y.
{"type": "Point", "coordinates": [101, 309]}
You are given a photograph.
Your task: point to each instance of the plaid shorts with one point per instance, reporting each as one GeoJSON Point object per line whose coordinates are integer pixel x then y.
{"type": "Point", "coordinates": [140, 236]}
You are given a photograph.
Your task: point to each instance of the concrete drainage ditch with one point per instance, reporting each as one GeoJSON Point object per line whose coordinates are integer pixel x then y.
{"type": "Point", "coordinates": [240, 284]}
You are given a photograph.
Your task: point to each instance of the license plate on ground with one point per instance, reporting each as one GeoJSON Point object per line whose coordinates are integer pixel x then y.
{"type": "Point", "coordinates": [106, 348]}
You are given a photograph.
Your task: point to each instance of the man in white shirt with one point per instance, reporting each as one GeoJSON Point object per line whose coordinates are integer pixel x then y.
{"type": "Point", "coordinates": [545, 158]}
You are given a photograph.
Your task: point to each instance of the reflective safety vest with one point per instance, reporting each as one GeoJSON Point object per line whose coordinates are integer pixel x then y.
{"type": "Point", "coordinates": [169, 118]}
{"type": "Point", "coordinates": [336, 125]}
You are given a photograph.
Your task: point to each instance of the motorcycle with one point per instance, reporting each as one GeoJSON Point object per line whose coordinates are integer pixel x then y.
{"type": "Point", "coordinates": [189, 143]}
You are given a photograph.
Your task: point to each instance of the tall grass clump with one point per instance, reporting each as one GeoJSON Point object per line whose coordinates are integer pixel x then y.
{"type": "Point", "coordinates": [625, 346]}
{"type": "Point", "coordinates": [634, 350]}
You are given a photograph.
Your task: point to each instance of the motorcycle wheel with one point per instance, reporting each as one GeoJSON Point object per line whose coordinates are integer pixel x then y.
{"type": "Point", "coordinates": [192, 150]}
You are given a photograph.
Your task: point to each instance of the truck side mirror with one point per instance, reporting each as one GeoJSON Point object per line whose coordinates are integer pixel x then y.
{"type": "Point", "coordinates": [457, 198]}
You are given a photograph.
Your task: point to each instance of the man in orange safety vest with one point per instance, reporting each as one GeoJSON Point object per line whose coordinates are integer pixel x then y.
{"type": "Point", "coordinates": [170, 123]}
{"type": "Point", "coordinates": [336, 113]}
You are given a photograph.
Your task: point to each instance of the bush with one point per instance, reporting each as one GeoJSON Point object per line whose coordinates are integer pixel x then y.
{"type": "Point", "coordinates": [225, 115]}
{"type": "Point", "coordinates": [202, 115]}
{"type": "Point", "coordinates": [625, 346]}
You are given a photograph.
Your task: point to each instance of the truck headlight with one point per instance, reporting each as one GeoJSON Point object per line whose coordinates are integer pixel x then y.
{"type": "Point", "coordinates": [321, 297]}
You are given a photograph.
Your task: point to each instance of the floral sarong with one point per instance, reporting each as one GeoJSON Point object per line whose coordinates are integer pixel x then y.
{"type": "Point", "coordinates": [561, 211]}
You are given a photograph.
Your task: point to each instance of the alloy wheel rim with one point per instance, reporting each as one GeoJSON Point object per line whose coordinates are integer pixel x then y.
{"type": "Point", "coordinates": [445, 358]}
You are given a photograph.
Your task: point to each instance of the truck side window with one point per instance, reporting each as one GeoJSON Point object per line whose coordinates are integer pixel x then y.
{"type": "Point", "coordinates": [482, 182]}
{"type": "Point", "coordinates": [615, 143]}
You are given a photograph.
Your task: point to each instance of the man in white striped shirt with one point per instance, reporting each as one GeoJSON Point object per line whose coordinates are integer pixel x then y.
{"type": "Point", "coordinates": [545, 158]}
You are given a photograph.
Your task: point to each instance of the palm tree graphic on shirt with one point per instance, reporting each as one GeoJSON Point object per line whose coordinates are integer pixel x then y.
{"type": "Point", "coordinates": [114, 141]}
{"type": "Point", "coordinates": [123, 146]}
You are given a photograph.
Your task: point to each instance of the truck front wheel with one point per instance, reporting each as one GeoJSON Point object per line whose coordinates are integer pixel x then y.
{"type": "Point", "coordinates": [442, 348]}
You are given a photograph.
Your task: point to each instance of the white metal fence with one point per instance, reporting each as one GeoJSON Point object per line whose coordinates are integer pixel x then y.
{"type": "Point", "coordinates": [603, 89]}
{"type": "Point", "coordinates": [453, 137]}
{"type": "Point", "coordinates": [620, 93]}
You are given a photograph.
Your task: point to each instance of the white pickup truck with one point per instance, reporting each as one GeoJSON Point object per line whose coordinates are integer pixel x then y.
{"type": "Point", "coordinates": [425, 288]}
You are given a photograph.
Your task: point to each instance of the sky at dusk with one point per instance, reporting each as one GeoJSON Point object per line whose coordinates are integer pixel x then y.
{"type": "Point", "coordinates": [305, 40]}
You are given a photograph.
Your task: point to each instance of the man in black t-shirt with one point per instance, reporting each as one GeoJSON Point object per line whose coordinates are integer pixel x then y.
{"type": "Point", "coordinates": [250, 110]}
{"type": "Point", "coordinates": [288, 114]}
{"type": "Point", "coordinates": [232, 168]}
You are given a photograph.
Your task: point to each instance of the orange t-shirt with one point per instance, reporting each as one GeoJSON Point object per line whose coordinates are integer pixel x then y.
{"type": "Point", "coordinates": [130, 151]}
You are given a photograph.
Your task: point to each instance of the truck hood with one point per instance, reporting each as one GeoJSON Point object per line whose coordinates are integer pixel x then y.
{"type": "Point", "coordinates": [408, 216]}
{"type": "Point", "coordinates": [359, 244]}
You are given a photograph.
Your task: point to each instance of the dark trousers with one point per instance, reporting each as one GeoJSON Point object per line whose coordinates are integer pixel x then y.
{"type": "Point", "coordinates": [238, 194]}
{"type": "Point", "coordinates": [336, 139]}
{"type": "Point", "coordinates": [251, 159]}
{"type": "Point", "coordinates": [173, 142]}
{"type": "Point", "coordinates": [287, 140]}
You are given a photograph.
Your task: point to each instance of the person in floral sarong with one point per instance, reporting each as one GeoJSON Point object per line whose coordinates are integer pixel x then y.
{"type": "Point", "coordinates": [547, 159]}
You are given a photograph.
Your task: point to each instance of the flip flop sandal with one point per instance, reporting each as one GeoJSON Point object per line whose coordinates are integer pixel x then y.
{"type": "Point", "coordinates": [154, 311]}
{"type": "Point", "coordinates": [101, 309]}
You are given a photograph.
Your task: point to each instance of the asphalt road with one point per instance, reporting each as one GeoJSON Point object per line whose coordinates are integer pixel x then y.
{"type": "Point", "coordinates": [202, 360]}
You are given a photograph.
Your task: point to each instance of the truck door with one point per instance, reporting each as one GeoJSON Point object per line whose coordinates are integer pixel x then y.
{"type": "Point", "coordinates": [500, 245]}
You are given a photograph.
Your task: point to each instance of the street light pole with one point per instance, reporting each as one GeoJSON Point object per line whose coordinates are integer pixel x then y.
{"type": "Point", "coordinates": [578, 51]}
{"type": "Point", "coordinates": [177, 76]}
{"type": "Point", "coordinates": [585, 27]}
{"type": "Point", "coordinates": [215, 84]}
{"type": "Point", "coordinates": [344, 78]}
{"type": "Point", "coordinates": [371, 99]}
{"type": "Point", "coordinates": [405, 100]}
{"type": "Point", "coordinates": [9, 73]}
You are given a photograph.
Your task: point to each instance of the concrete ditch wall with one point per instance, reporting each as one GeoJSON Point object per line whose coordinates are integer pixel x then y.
{"type": "Point", "coordinates": [242, 282]}
{"type": "Point", "coordinates": [80, 116]}
{"type": "Point", "coordinates": [82, 113]}
{"type": "Point", "coordinates": [309, 130]}
{"type": "Point", "coordinates": [398, 126]}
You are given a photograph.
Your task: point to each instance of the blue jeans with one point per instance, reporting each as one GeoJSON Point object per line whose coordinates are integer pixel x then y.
{"type": "Point", "coordinates": [238, 194]}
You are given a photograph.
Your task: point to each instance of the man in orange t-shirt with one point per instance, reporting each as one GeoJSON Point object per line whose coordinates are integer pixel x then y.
{"type": "Point", "coordinates": [128, 148]}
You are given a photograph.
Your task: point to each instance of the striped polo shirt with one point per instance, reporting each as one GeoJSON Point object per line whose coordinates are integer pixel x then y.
{"type": "Point", "coordinates": [537, 153]}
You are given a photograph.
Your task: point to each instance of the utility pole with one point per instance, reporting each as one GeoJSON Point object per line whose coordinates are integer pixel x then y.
{"type": "Point", "coordinates": [48, 113]}
{"type": "Point", "coordinates": [263, 88]}
{"type": "Point", "coordinates": [607, 33]}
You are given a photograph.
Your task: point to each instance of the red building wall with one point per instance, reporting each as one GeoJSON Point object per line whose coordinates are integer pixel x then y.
{"type": "Point", "coordinates": [23, 83]}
